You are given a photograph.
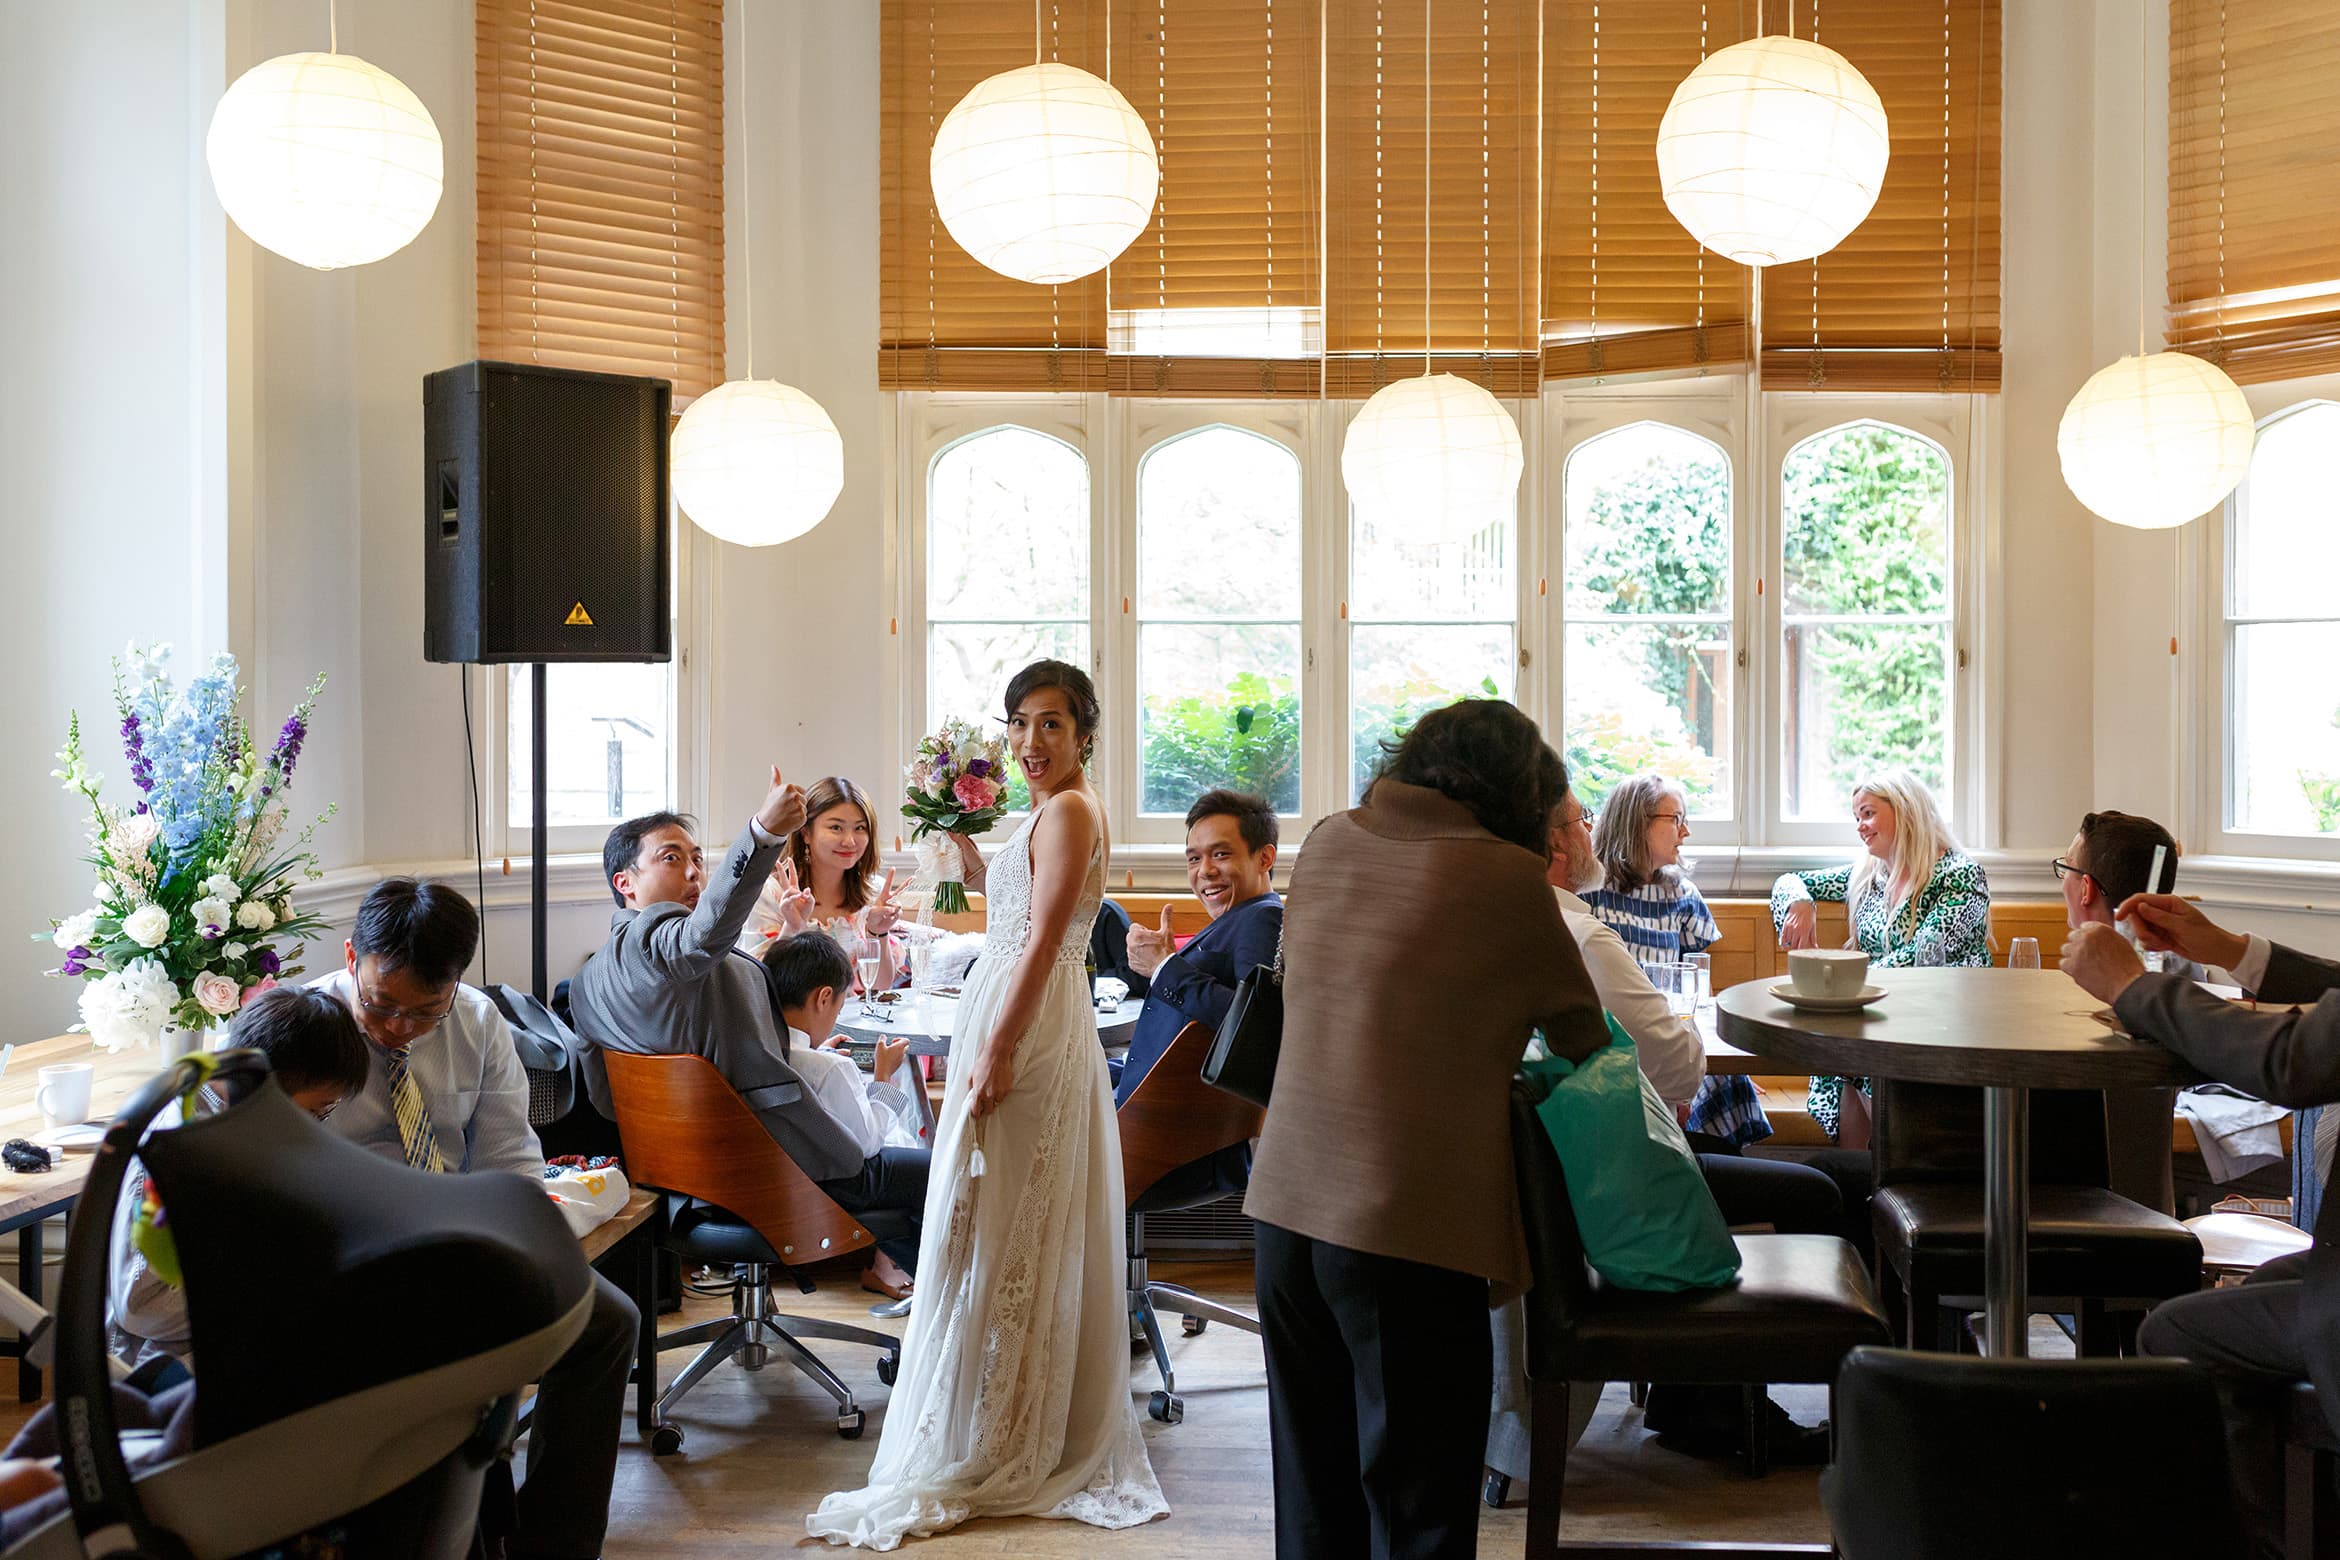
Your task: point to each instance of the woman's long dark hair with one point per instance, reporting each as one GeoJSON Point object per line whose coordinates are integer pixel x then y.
{"type": "Point", "coordinates": [1491, 758]}
{"type": "Point", "coordinates": [836, 791]}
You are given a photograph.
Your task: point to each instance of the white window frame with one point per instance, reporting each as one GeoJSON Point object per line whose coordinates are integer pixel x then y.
{"type": "Point", "coordinates": [2210, 561]}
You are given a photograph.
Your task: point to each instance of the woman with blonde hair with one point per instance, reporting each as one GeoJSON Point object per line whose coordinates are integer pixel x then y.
{"type": "Point", "coordinates": [1912, 896]}
{"type": "Point", "coordinates": [1649, 901]}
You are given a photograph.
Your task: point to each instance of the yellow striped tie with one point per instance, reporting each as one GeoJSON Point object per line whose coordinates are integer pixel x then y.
{"type": "Point", "coordinates": [414, 1118]}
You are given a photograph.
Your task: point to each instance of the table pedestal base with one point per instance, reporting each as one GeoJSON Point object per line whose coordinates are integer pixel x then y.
{"type": "Point", "coordinates": [2006, 1222]}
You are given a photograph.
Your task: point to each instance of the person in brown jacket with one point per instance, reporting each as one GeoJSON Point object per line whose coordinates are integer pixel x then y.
{"type": "Point", "coordinates": [1421, 946]}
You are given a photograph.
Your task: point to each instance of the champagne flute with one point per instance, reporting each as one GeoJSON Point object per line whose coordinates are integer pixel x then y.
{"type": "Point", "coordinates": [868, 959]}
{"type": "Point", "coordinates": [2023, 954]}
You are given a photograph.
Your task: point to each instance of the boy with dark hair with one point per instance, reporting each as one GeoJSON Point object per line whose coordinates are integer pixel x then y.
{"type": "Point", "coordinates": [444, 1091]}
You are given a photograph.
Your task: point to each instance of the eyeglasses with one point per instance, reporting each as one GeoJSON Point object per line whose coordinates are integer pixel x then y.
{"type": "Point", "coordinates": [384, 1013]}
{"type": "Point", "coordinates": [1582, 817]}
{"type": "Point", "coordinates": [2062, 867]}
{"type": "Point", "coordinates": [328, 1108]}
{"type": "Point", "coordinates": [1674, 818]}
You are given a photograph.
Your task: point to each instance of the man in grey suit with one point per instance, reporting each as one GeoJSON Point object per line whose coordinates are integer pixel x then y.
{"type": "Point", "coordinates": [2283, 1325]}
{"type": "Point", "coordinates": [670, 982]}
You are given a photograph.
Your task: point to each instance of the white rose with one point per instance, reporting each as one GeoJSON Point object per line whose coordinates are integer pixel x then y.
{"type": "Point", "coordinates": [236, 950]}
{"type": "Point", "coordinates": [135, 833]}
{"type": "Point", "coordinates": [130, 1006]}
{"type": "Point", "coordinates": [148, 926]}
{"type": "Point", "coordinates": [212, 915]}
{"type": "Point", "coordinates": [74, 931]}
{"type": "Point", "coordinates": [221, 886]}
{"type": "Point", "coordinates": [102, 889]}
{"type": "Point", "coordinates": [254, 916]}
{"type": "Point", "coordinates": [217, 994]}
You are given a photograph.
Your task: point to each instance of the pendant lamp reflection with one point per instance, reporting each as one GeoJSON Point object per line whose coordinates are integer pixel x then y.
{"type": "Point", "coordinates": [1435, 455]}
{"type": "Point", "coordinates": [1772, 150]}
{"type": "Point", "coordinates": [757, 462]}
{"type": "Point", "coordinates": [325, 159]}
{"type": "Point", "coordinates": [2152, 442]}
{"type": "Point", "coordinates": [1044, 174]}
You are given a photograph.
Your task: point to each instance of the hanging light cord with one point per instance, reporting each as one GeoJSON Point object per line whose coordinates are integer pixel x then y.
{"type": "Point", "coordinates": [1425, 187]}
{"type": "Point", "coordinates": [2144, 91]}
{"type": "Point", "coordinates": [332, 27]}
{"type": "Point", "coordinates": [747, 197]}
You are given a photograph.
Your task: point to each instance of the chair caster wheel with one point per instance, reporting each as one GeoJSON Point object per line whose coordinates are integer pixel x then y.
{"type": "Point", "coordinates": [1495, 1491]}
{"type": "Point", "coordinates": [666, 1440]}
{"type": "Point", "coordinates": [1168, 1407]}
{"type": "Point", "coordinates": [849, 1426]}
{"type": "Point", "coordinates": [1192, 1325]}
{"type": "Point", "coordinates": [888, 1366]}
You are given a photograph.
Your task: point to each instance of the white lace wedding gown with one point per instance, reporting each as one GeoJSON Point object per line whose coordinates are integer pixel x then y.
{"type": "Point", "coordinates": [1014, 1396]}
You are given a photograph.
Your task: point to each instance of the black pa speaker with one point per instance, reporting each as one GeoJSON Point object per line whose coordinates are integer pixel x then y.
{"type": "Point", "coordinates": [544, 515]}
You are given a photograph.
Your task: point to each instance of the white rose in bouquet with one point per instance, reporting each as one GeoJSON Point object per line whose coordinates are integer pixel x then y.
{"type": "Point", "coordinates": [221, 886]}
{"type": "Point", "coordinates": [212, 916]}
{"type": "Point", "coordinates": [135, 833]}
{"type": "Point", "coordinates": [217, 994]}
{"type": "Point", "coordinates": [74, 931]}
{"type": "Point", "coordinates": [130, 1006]}
{"type": "Point", "coordinates": [149, 926]}
{"type": "Point", "coordinates": [254, 916]}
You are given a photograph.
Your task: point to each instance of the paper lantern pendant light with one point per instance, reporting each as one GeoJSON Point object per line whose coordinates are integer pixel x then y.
{"type": "Point", "coordinates": [1044, 174]}
{"type": "Point", "coordinates": [2151, 442]}
{"type": "Point", "coordinates": [1772, 150]}
{"type": "Point", "coordinates": [757, 462]}
{"type": "Point", "coordinates": [1435, 453]}
{"type": "Point", "coordinates": [325, 159]}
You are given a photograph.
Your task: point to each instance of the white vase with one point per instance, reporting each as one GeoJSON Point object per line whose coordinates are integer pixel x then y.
{"type": "Point", "coordinates": [177, 1042]}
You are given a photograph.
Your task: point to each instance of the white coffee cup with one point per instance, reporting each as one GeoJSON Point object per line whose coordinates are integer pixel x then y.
{"type": "Point", "coordinates": [63, 1093]}
{"type": "Point", "coordinates": [1828, 972]}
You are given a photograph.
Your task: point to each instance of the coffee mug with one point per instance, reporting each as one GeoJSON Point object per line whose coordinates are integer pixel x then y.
{"type": "Point", "coordinates": [63, 1093]}
{"type": "Point", "coordinates": [1828, 972]}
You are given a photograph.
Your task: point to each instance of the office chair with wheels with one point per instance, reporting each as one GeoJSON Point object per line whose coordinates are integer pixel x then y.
{"type": "Point", "coordinates": [743, 1204]}
{"type": "Point", "coordinates": [1941, 1457]}
{"type": "Point", "coordinates": [1170, 1126]}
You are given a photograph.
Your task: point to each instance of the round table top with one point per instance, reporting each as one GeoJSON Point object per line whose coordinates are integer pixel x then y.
{"type": "Point", "coordinates": [1990, 1027]}
{"type": "Point", "coordinates": [927, 1017]}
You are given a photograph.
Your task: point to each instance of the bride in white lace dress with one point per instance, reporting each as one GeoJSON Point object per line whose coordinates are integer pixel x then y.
{"type": "Point", "coordinates": [1014, 1396]}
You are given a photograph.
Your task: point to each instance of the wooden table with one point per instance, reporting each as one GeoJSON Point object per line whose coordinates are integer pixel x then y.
{"type": "Point", "coordinates": [2007, 1031]}
{"type": "Point", "coordinates": [632, 1233]}
{"type": "Point", "coordinates": [928, 1021]}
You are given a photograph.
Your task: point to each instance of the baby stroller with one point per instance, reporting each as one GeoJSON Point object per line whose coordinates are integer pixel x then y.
{"type": "Point", "coordinates": [364, 1331]}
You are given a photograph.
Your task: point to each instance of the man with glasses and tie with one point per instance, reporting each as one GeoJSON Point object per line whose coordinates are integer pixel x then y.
{"type": "Point", "coordinates": [445, 1093]}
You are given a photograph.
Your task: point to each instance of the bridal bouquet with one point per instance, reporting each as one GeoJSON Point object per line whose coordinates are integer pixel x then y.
{"type": "Point", "coordinates": [194, 884]}
{"type": "Point", "coordinates": [956, 785]}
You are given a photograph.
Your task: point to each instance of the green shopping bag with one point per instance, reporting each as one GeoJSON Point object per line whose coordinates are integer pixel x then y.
{"type": "Point", "coordinates": [1647, 1219]}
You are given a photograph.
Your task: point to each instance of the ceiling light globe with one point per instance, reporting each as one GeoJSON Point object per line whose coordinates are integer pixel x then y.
{"type": "Point", "coordinates": [2152, 442]}
{"type": "Point", "coordinates": [1435, 454]}
{"type": "Point", "coordinates": [757, 462]}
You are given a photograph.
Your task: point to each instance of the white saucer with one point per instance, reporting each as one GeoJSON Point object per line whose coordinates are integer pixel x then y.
{"type": "Point", "coordinates": [83, 1135]}
{"type": "Point", "coordinates": [1786, 992]}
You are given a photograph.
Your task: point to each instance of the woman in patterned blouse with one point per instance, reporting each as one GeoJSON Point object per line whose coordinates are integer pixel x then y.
{"type": "Point", "coordinates": [1652, 905]}
{"type": "Point", "coordinates": [1914, 897]}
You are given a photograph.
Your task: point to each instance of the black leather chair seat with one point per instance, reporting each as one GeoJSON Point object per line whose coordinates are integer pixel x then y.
{"type": "Point", "coordinates": [706, 1233]}
{"type": "Point", "coordinates": [1800, 1303]}
{"type": "Point", "coordinates": [2084, 1241]}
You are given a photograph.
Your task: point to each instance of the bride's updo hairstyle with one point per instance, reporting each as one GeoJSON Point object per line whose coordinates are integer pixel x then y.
{"type": "Point", "coordinates": [1491, 758]}
{"type": "Point", "coordinates": [1079, 693]}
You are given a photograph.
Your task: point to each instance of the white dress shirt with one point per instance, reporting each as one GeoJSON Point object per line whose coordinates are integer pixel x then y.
{"type": "Point", "coordinates": [877, 1114]}
{"type": "Point", "coordinates": [471, 1081]}
{"type": "Point", "coordinates": [1672, 1056]}
{"type": "Point", "coordinates": [2250, 971]}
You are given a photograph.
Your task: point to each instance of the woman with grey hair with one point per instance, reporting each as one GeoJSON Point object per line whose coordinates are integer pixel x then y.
{"type": "Point", "coordinates": [1654, 907]}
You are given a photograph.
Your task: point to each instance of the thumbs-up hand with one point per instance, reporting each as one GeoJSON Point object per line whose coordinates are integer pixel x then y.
{"type": "Point", "coordinates": [1150, 946]}
{"type": "Point", "coordinates": [783, 809]}
{"type": "Point", "coordinates": [884, 914]}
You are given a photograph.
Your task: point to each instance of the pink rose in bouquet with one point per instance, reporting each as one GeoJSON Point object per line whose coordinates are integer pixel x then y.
{"type": "Point", "coordinates": [974, 792]}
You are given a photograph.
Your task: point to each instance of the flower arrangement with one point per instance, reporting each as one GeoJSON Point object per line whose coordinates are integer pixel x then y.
{"type": "Point", "coordinates": [194, 888]}
{"type": "Point", "coordinates": [956, 785]}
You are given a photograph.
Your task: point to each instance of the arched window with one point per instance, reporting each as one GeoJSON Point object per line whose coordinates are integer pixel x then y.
{"type": "Point", "coordinates": [1646, 613]}
{"type": "Point", "coordinates": [2283, 630]}
{"type": "Point", "coordinates": [1007, 568]}
{"type": "Point", "coordinates": [1218, 619]}
{"type": "Point", "coordinates": [1865, 613]}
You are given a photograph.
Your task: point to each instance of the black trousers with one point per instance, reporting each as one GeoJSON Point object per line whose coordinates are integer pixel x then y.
{"type": "Point", "coordinates": [892, 1180]}
{"type": "Point", "coordinates": [1377, 1375]}
{"type": "Point", "coordinates": [563, 1508]}
{"type": "Point", "coordinates": [2249, 1338]}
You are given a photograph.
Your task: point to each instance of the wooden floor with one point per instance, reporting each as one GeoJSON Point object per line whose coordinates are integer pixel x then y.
{"type": "Point", "coordinates": [761, 1451]}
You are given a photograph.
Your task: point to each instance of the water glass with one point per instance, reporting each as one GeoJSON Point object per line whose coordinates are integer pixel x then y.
{"type": "Point", "coordinates": [1702, 972]}
{"type": "Point", "coordinates": [921, 963]}
{"type": "Point", "coordinates": [2023, 954]}
{"type": "Point", "coordinates": [1680, 984]}
{"type": "Point", "coordinates": [1927, 957]}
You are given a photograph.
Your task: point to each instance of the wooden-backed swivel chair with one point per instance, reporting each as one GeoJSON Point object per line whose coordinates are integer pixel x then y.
{"type": "Point", "coordinates": [741, 1203]}
{"type": "Point", "coordinates": [1173, 1120]}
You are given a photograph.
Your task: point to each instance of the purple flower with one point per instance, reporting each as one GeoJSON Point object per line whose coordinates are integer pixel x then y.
{"type": "Point", "coordinates": [74, 964]}
{"type": "Point", "coordinates": [979, 767]}
{"type": "Point", "coordinates": [266, 961]}
{"type": "Point", "coordinates": [287, 753]}
{"type": "Point", "coordinates": [134, 744]}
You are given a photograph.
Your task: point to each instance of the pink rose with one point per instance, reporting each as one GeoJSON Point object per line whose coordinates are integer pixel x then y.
{"type": "Point", "coordinates": [974, 793]}
{"type": "Point", "coordinates": [267, 983]}
{"type": "Point", "coordinates": [216, 994]}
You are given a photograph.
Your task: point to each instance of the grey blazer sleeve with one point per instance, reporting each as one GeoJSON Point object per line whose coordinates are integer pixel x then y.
{"type": "Point", "coordinates": [2293, 976]}
{"type": "Point", "coordinates": [686, 947]}
{"type": "Point", "coordinates": [2288, 1058]}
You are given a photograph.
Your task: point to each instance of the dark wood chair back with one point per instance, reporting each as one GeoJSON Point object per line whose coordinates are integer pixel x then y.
{"type": "Point", "coordinates": [686, 1130]}
{"type": "Point", "coordinates": [1174, 1118]}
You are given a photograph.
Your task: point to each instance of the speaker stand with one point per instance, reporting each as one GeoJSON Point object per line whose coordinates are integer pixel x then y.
{"type": "Point", "coordinates": [537, 810]}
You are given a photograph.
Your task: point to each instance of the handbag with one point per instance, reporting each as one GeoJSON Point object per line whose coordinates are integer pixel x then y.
{"type": "Point", "coordinates": [1242, 1057]}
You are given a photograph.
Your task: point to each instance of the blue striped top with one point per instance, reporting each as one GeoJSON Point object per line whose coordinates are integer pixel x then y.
{"type": "Point", "coordinates": [1658, 921]}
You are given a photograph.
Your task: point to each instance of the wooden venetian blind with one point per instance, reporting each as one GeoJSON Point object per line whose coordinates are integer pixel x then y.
{"type": "Point", "coordinates": [1626, 288]}
{"type": "Point", "coordinates": [1483, 264]}
{"type": "Point", "coordinates": [601, 186]}
{"type": "Point", "coordinates": [2254, 185]}
{"type": "Point", "coordinates": [1221, 295]}
{"type": "Point", "coordinates": [946, 322]}
{"type": "Point", "coordinates": [1910, 301]}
